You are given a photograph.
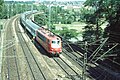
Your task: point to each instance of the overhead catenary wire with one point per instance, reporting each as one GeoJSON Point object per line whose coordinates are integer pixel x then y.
{"type": "Point", "coordinates": [106, 52]}
{"type": "Point", "coordinates": [97, 50]}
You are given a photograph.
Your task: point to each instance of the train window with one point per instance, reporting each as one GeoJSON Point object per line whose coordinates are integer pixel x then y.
{"type": "Point", "coordinates": [56, 42]}
{"type": "Point", "coordinates": [53, 42]}
{"type": "Point", "coordinates": [41, 37]}
{"type": "Point", "coordinates": [49, 41]}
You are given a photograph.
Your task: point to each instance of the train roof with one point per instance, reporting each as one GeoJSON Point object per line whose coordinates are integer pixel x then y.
{"type": "Point", "coordinates": [29, 12]}
{"type": "Point", "coordinates": [23, 15]}
{"type": "Point", "coordinates": [49, 35]}
{"type": "Point", "coordinates": [32, 24]}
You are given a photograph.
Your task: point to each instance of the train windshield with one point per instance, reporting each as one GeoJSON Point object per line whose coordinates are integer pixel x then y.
{"type": "Point", "coordinates": [55, 44]}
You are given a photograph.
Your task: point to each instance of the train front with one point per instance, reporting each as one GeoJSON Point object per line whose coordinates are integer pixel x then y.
{"type": "Point", "coordinates": [56, 47]}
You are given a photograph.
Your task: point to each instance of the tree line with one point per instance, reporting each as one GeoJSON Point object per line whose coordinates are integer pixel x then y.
{"type": "Point", "coordinates": [94, 13]}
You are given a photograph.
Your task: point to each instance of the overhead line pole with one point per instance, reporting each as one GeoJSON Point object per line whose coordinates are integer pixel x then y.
{"type": "Point", "coordinates": [8, 11]}
{"type": "Point", "coordinates": [56, 11]}
{"type": "Point", "coordinates": [84, 63]}
{"type": "Point", "coordinates": [49, 16]}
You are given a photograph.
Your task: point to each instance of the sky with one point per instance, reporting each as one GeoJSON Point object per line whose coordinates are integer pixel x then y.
{"type": "Point", "coordinates": [44, 0]}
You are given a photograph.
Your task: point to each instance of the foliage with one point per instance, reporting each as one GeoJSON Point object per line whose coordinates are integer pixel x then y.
{"type": "Point", "coordinates": [109, 9]}
{"type": "Point", "coordinates": [59, 15]}
{"type": "Point", "coordinates": [89, 33]}
{"type": "Point", "coordinates": [1, 7]}
{"type": "Point", "coordinates": [94, 16]}
{"type": "Point", "coordinates": [67, 17]}
{"type": "Point", "coordinates": [11, 8]}
{"type": "Point", "coordinates": [41, 19]}
{"type": "Point", "coordinates": [85, 13]}
{"type": "Point", "coordinates": [68, 33]}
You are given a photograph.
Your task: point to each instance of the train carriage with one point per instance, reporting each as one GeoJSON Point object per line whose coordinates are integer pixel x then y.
{"type": "Point", "coordinates": [31, 27]}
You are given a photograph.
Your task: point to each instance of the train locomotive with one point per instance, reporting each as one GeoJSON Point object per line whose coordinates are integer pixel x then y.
{"type": "Point", "coordinates": [49, 41]}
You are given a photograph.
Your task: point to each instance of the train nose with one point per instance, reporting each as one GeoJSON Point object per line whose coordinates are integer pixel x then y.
{"type": "Point", "coordinates": [55, 50]}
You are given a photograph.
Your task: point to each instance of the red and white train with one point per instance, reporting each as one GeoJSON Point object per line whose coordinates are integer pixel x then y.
{"type": "Point", "coordinates": [50, 42]}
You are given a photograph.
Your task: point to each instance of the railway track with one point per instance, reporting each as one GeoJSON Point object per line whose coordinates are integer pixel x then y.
{"type": "Point", "coordinates": [73, 57]}
{"type": "Point", "coordinates": [10, 65]}
{"type": "Point", "coordinates": [71, 71]}
{"type": "Point", "coordinates": [60, 68]}
{"type": "Point", "coordinates": [76, 58]}
{"type": "Point", "coordinates": [55, 69]}
{"type": "Point", "coordinates": [20, 59]}
{"type": "Point", "coordinates": [34, 68]}
{"type": "Point", "coordinates": [100, 70]}
{"type": "Point", "coordinates": [74, 54]}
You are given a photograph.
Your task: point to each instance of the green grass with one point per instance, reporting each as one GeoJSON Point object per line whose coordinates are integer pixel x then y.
{"type": "Point", "coordinates": [76, 25]}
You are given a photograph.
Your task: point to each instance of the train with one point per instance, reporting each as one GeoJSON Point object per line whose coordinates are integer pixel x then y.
{"type": "Point", "coordinates": [48, 40]}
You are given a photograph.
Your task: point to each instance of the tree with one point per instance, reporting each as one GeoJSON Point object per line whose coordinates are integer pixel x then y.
{"type": "Point", "coordinates": [89, 33]}
{"type": "Point", "coordinates": [68, 33]}
{"type": "Point", "coordinates": [110, 11]}
{"type": "Point", "coordinates": [1, 7]}
{"type": "Point", "coordinates": [41, 19]}
{"type": "Point", "coordinates": [95, 16]}
{"type": "Point", "coordinates": [102, 11]}
{"type": "Point", "coordinates": [85, 13]}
